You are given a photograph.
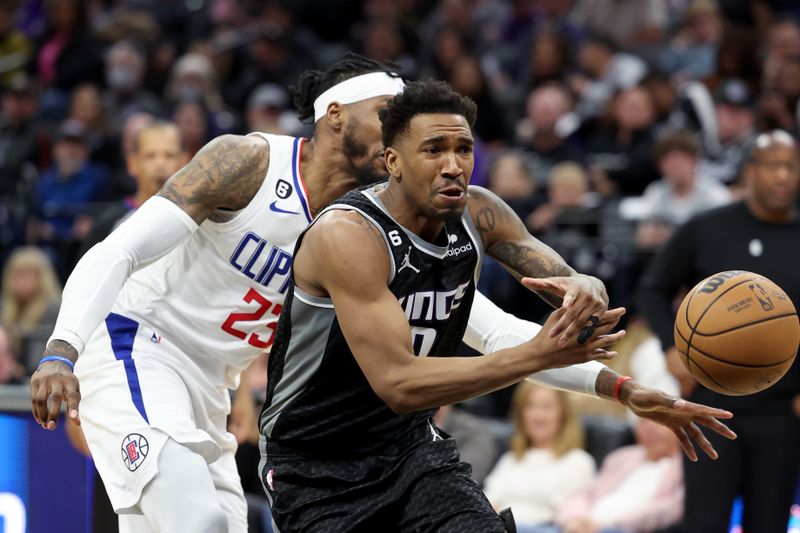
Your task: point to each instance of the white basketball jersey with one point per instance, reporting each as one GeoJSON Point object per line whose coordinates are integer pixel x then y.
{"type": "Point", "coordinates": [218, 295]}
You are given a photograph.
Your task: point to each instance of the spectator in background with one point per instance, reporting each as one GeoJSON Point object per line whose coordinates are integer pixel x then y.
{"type": "Point", "coordinates": [548, 59]}
{"type": "Point", "coordinates": [547, 128]}
{"type": "Point", "coordinates": [66, 193]}
{"type": "Point", "coordinates": [267, 110]}
{"type": "Point", "coordinates": [758, 235]}
{"type": "Point", "coordinates": [727, 131]}
{"type": "Point", "coordinates": [511, 178]}
{"type": "Point", "coordinates": [86, 107]}
{"type": "Point", "coordinates": [125, 69]}
{"type": "Point", "coordinates": [692, 52]}
{"type": "Point", "coordinates": [15, 48]}
{"type": "Point", "coordinates": [11, 372]}
{"type": "Point", "coordinates": [546, 462]}
{"type": "Point", "coordinates": [68, 53]}
{"type": "Point", "coordinates": [621, 155]}
{"type": "Point", "coordinates": [30, 292]}
{"type": "Point", "coordinates": [567, 188]}
{"type": "Point", "coordinates": [680, 193]}
{"type": "Point", "coordinates": [568, 221]}
{"type": "Point", "coordinates": [448, 46]}
{"type": "Point", "coordinates": [627, 23]}
{"type": "Point", "coordinates": [157, 154]}
{"type": "Point", "coordinates": [669, 110]}
{"type": "Point", "coordinates": [195, 127]}
{"type": "Point", "coordinates": [782, 46]}
{"type": "Point", "coordinates": [19, 134]}
{"type": "Point", "coordinates": [779, 105]}
{"type": "Point", "coordinates": [193, 79]}
{"type": "Point", "coordinates": [604, 71]}
{"type": "Point", "coordinates": [382, 40]}
{"type": "Point", "coordinates": [467, 78]}
{"type": "Point", "coordinates": [639, 488]}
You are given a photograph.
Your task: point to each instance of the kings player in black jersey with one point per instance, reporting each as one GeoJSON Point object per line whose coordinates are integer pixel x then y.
{"type": "Point", "coordinates": [381, 291]}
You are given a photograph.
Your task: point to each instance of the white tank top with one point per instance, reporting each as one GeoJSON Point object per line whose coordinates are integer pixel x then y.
{"type": "Point", "coordinates": [218, 295]}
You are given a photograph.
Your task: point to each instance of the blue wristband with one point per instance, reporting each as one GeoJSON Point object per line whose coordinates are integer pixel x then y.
{"type": "Point", "coordinates": [58, 358]}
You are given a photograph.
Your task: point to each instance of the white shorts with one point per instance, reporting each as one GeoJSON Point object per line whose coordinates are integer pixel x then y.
{"type": "Point", "coordinates": [138, 389]}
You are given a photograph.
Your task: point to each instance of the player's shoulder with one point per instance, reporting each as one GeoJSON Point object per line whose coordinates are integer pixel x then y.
{"type": "Point", "coordinates": [347, 246]}
{"type": "Point", "coordinates": [345, 229]}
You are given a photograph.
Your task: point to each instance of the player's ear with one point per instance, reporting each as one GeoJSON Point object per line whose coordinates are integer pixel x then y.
{"type": "Point", "coordinates": [391, 157]}
{"type": "Point", "coordinates": [335, 116]}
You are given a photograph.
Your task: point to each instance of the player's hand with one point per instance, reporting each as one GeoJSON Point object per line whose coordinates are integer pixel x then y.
{"type": "Point", "coordinates": [552, 354]}
{"type": "Point", "coordinates": [52, 383]}
{"type": "Point", "coordinates": [582, 297]}
{"type": "Point", "coordinates": [680, 416]}
{"type": "Point", "coordinates": [680, 372]}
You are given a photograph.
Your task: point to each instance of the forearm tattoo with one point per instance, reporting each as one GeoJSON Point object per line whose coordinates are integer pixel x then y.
{"type": "Point", "coordinates": [521, 254]}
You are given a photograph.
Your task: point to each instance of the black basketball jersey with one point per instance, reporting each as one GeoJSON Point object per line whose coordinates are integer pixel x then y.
{"type": "Point", "coordinates": [318, 400]}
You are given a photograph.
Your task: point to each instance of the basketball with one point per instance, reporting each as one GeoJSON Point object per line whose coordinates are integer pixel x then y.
{"type": "Point", "coordinates": [737, 332]}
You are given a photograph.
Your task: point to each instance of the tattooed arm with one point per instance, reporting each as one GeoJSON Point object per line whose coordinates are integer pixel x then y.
{"type": "Point", "coordinates": [535, 264]}
{"type": "Point", "coordinates": [225, 174]}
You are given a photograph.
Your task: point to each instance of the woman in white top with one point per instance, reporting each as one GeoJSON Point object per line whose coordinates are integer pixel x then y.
{"type": "Point", "coordinates": [546, 462]}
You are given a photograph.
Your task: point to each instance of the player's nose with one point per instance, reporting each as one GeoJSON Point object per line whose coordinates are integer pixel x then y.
{"type": "Point", "coordinates": [450, 167]}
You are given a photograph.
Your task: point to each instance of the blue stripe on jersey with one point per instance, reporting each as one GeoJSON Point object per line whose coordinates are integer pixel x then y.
{"type": "Point", "coordinates": [297, 185]}
{"type": "Point", "coordinates": [122, 331]}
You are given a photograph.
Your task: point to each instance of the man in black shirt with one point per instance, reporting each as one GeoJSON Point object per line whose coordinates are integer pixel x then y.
{"type": "Point", "coordinates": [761, 234]}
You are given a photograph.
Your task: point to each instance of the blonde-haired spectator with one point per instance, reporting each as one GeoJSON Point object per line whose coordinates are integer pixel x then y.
{"type": "Point", "coordinates": [567, 189]}
{"type": "Point", "coordinates": [546, 462]}
{"type": "Point", "coordinates": [30, 292]}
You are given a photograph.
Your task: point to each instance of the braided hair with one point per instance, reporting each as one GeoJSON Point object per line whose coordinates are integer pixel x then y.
{"type": "Point", "coordinates": [312, 83]}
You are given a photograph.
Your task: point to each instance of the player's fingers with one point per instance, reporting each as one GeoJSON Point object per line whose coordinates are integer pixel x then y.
{"type": "Point", "coordinates": [582, 320]}
{"type": "Point", "coordinates": [602, 355]}
{"type": "Point", "coordinates": [686, 444]}
{"type": "Point", "coordinates": [610, 318]}
{"type": "Point", "coordinates": [56, 396]}
{"type": "Point", "coordinates": [706, 411]}
{"type": "Point", "coordinates": [570, 315]}
{"type": "Point", "coordinates": [73, 399]}
{"type": "Point", "coordinates": [40, 404]}
{"type": "Point", "coordinates": [544, 284]}
{"type": "Point", "coordinates": [34, 388]}
{"type": "Point", "coordinates": [717, 426]}
{"type": "Point", "coordinates": [604, 341]}
{"type": "Point", "coordinates": [702, 441]}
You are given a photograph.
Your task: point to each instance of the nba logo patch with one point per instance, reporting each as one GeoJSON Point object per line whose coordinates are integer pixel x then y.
{"type": "Point", "coordinates": [134, 450]}
{"type": "Point", "coordinates": [269, 479]}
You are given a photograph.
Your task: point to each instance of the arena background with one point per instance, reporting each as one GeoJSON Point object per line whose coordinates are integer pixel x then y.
{"type": "Point", "coordinates": [573, 98]}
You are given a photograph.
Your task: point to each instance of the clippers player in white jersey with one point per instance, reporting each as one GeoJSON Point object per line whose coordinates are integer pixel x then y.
{"type": "Point", "coordinates": [168, 310]}
{"type": "Point", "coordinates": [364, 352]}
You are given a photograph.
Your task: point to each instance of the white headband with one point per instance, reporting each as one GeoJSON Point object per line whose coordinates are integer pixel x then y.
{"type": "Point", "coordinates": [357, 89]}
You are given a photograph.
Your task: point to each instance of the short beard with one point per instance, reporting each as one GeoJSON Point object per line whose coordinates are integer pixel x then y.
{"type": "Point", "coordinates": [365, 173]}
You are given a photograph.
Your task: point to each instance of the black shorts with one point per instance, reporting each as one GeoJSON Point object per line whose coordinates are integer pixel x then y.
{"type": "Point", "coordinates": [425, 489]}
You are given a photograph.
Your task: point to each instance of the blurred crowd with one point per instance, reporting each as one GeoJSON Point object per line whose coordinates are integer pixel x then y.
{"type": "Point", "coordinates": [605, 124]}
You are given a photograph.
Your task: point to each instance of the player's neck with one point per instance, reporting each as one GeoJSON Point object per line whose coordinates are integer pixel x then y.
{"type": "Point", "coordinates": [408, 215]}
{"type": "Point", "coordinates": [325, 172]}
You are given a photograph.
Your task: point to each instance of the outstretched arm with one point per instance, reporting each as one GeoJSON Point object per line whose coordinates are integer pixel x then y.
{"type": "Point", "coordinates": [225, 174]}
{"type": "Point", "coordinates": [536, 265]}
{"type": "Point", "coordinates": [344, 257]}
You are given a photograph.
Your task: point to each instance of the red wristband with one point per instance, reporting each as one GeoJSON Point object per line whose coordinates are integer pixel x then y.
{"type": "Point", "coordinates": [618, 386]}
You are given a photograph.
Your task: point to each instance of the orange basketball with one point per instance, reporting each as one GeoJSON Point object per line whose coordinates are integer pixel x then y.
{"type": "Point", "coordinates": [737, 332]}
